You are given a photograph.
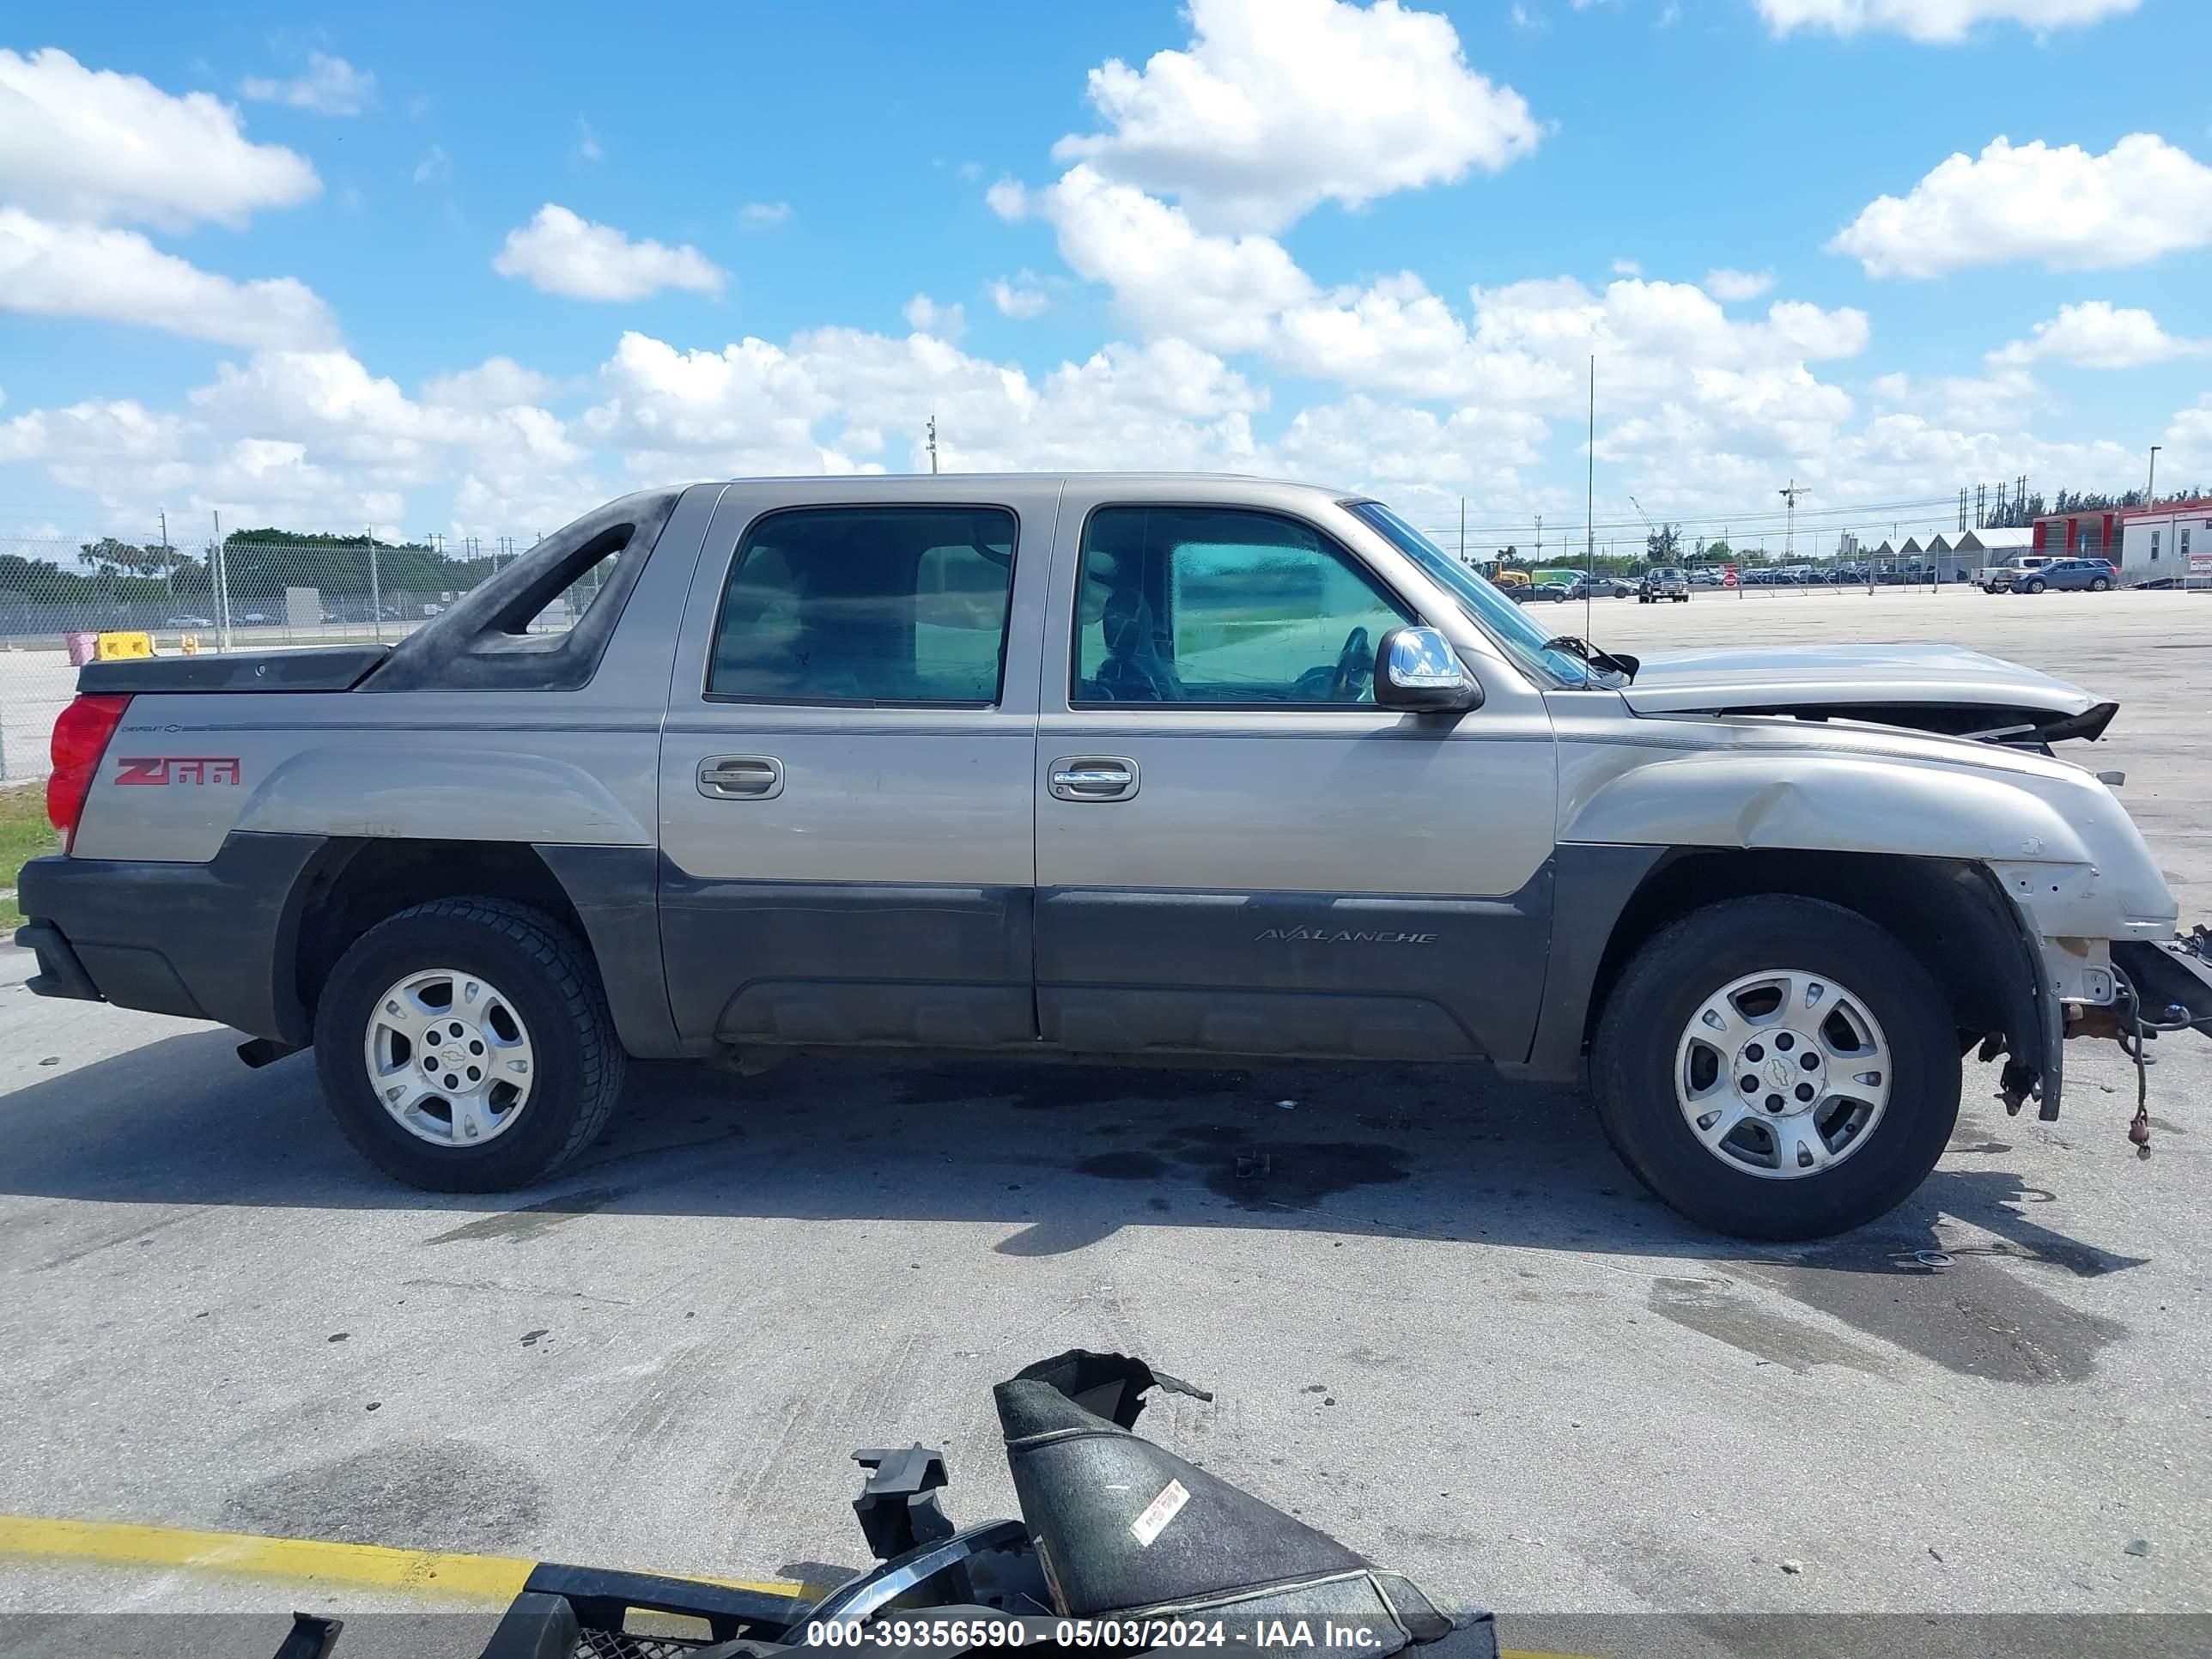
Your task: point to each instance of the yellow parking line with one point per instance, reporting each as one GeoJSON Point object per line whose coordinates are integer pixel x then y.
{"type": "Point", "coordinates": [362, 1566]}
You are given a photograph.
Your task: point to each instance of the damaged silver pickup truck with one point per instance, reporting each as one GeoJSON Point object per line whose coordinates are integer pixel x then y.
{"type": "Point", "coordinates": [1104, 769]}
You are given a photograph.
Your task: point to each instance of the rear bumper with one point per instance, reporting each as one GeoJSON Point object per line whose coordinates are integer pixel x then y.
{"type": "Point", "coordinates": [206, 941]}
{"type": "Point", "coordinates": [60, 974]}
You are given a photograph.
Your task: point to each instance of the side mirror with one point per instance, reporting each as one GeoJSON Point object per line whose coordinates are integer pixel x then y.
{"type": "Point", "coordinates": [1416, 668]}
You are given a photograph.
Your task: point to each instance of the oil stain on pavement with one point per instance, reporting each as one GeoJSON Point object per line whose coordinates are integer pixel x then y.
{"type": "Point", "coordinates": [434, 1494]}
{"type": "Point", "coordinates": [1979, 1317]}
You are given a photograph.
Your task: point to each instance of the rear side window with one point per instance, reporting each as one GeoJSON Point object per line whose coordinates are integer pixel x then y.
{"type": "Point", "coordinates": [866, 604]}
{"type": "Point", "coordinates": [1219, 606]}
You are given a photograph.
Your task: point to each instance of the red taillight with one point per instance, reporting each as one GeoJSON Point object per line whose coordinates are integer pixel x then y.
{"type": "Point", "coordinates": [80, 738]}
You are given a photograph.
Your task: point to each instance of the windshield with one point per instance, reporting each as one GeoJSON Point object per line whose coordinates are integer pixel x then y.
{"type": "Point", "coordinates": [1488, 609]}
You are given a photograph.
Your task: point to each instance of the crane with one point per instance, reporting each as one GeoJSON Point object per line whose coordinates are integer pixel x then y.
{"type": "Point", "coordinates": [1665, 539]}
{"type": "Point", "coordinates": [1790, 493]}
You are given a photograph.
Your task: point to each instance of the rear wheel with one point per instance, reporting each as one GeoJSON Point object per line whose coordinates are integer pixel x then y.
{"type": "Point", "coordinates": [464, 1045]}
{"type": "Point", "coordinates": [2098, 584]}
{"type": "Point", "coordinates": [1777, 1068]}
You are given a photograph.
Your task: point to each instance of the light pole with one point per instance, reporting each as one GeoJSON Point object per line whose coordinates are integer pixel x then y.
{"type": "Point", "coordinates": [2150, 484]}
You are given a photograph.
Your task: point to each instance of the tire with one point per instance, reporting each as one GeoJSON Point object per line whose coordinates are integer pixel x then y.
{"type": "Point", "coordinates": [2098, 584]}
{"type": "Point", "coordinates": [520, 957]}
{"type": "Point", "coordinates": [2036, 586]}
{"type": "Point", "coordinates": [1647, 1025]}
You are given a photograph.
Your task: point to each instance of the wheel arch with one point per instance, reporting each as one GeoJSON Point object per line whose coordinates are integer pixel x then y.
{"type": "Point", "coordinates": [1952, 914]}
{"type": "Point", "coordinates": [603, 895]}
{"type": "Point", "coordinates": [1948, 912]}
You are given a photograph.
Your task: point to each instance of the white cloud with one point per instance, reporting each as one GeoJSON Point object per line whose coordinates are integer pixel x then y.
{"type": "Point", "coordinates": [86, 144]}
{"type": "Point", "coordinates": [558, 252]}
{"type": "Point", "coordinates": [1626, 268]}
{"type": "Point", "coordinates": [2096, 335]}
{"type": "Point", "coordinates": [2005, 397]}
{"type": "Point", "coordinates": [2071, 209]}
{"type": "Point", "coordinates": [1275, 105]}
{"type": "Point", "coordinates": [495, 383]}
{"type": "Point", "coordinates": [828, 398]}
{"type": "Point", "coordinates": [925, 316]}
{"type": "Point", "coordinates": [314, 440]}
{"type": "Point", "coordinates": [1528, 343]}
{"type": "Point", "coordinates": [1168, 278]}
{"type": "Point", "coordinates": [2187, 439]}
{"type": "Point", "coordinates": [331, 87]}
{"type": "Point", "coordinates": [118, 275]}
{"type": "Point", "coordinates": [763, 216]}
{"type": "Point", "coordinates": [587, 142]}
{"type": "Point", "coordinates": [1007, 198]}
{"type": "Point", "coordinates": [1421, 462]}
{"type": "Point", "coordinates": [433, 165]}
{"type": "Point", "coordinates": [1940, 21]}
{"type": "Point", "coordinates": [1731, 285]}
{"type": "Point", "coordinates": [1021, 298]}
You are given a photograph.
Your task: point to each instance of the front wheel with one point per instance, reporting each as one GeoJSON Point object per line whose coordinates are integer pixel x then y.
{"type": "Point", "coordinates": [2035, 587]}
{"type": "Point", "coordinates": [464, 1045]}
{"type": "Point", "coordinates": [1777, 1068]}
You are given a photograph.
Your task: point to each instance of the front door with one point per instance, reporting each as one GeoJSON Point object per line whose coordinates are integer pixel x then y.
{"type": "Point", "coordinates": [1237, 850]}
{"type": "Point", "coordinates": [845, 820]}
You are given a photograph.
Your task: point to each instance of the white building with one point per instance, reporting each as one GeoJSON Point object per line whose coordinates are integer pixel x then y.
{"type": "Point", "coordinates": [2170, 541]}
{"type": "Point", "coordinates": [1993, 546]}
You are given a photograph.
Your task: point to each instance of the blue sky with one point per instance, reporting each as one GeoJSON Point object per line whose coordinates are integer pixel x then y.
{"type": "Point", "coordinates": [473, 269]}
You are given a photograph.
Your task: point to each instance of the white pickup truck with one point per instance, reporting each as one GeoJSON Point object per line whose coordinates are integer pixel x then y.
{"type": "Point", "coordinates": [2000, 578]}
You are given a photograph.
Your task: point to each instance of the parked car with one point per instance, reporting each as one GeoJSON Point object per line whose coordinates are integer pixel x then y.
{"type": "Point", "coordinates": [1997, 578]}
{"type": "Point", "coordinates": [1704, 578]}
{"type": "Point", "coordinates": [188, 622]}
{"type": "Point", "coordinates": [1663, 582]}
{"type": "Point", "coordinates": [449, 866]}
{"type": "Point", "coordinates": [1601, 588]}
{"type": "Point", "coordinates": [2074, 576]}
{"type": "Point", "coordinates": [1551, 588]}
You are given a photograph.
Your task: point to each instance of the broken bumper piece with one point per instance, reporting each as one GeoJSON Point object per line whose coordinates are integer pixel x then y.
{"type": "Point", "coordinates": [1122, 1548]}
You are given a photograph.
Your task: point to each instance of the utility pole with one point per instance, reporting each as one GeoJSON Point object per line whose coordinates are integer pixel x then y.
{"type": "Point", "coordinates": [1540, 540]}
{"type": "Point", "coordinates": [1790, 493]}
{"type": "Point", "coordinates": [932, 443]}
{"type": "Point", "coordinates": [1462, 530]}
{"type": "Point", "coordinates": [221, 588]}
{"type": "Point", "coordinates": [168, 563]}
{"type": "Point", "coordinates": [375, 593]}
{"type": "Point", "coordinates": [2150, 484]}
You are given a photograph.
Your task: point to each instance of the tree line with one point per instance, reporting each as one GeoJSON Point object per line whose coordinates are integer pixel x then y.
{"type": "Point", "coordinates": [258, 563]}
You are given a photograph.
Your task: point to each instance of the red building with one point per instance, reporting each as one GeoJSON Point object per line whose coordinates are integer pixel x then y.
{"type": "Point", "coordinates": [2090, 533]}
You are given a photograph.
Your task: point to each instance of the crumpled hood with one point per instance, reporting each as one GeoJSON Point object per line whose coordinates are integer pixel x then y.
{"type": "Point", "coordinates": [1930, 687]}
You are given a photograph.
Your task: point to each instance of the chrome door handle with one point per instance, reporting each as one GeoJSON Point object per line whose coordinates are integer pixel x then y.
{"type": "Point", "coordinates": [1093, 777]}
{"type": "Point", "coordinates": [741, 777]}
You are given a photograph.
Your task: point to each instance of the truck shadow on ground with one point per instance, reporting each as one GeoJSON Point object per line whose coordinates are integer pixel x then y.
{"type": "Point", "coordinates": [1064, 1156]}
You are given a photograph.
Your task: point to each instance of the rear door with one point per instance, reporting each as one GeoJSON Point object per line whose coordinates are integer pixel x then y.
{"type": "Point", "coordinates": [845, 771]}
{"type": "Point", "coordinates": [1238, 851]}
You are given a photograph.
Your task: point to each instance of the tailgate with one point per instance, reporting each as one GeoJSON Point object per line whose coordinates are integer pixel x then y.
{"type": "Point", "coordinates": [317, 668]}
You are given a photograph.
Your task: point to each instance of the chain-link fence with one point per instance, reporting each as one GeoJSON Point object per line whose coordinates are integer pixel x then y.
{"type": "Point", "coordinates": [245, 593]}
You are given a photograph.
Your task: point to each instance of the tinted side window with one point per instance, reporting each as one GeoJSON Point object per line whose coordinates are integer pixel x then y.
{"type": "Point", "coordinates": [1200, 605]}
{"type": "Point", "coordinates": [864, 605]}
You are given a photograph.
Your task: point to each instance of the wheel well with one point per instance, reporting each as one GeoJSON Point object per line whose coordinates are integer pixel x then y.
{"type": "Point", "coordinates": [1948, 912]}
{"type": "Point", "coordinates": [357, 884]}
